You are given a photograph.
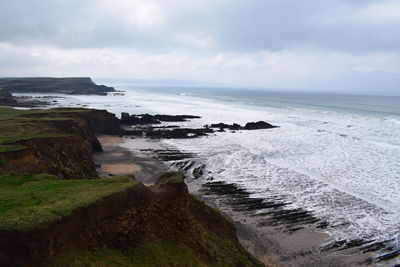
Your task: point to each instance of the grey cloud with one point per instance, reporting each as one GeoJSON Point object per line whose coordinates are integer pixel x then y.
{"type": "Point", "coordinates": [236, 25]}
{"type": "Point", "coordinates": [276, 25]}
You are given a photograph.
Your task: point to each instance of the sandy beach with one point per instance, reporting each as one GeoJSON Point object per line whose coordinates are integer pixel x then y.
{"type": "Point", "coordinates": [123, 156]}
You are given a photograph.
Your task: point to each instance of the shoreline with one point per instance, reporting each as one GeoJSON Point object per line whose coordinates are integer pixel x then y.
{"type": "Point", "coordinates": [273, 245]}
{"type": "Point", "coordinates": [148, 155]}
{"type": "Point", "coordinates": [118, 159]}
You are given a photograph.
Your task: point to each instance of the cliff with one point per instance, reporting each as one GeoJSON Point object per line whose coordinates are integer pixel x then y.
{"type": "Point", "coordinates": [129, 228]}
{"type": "Point", "coordinates": [6, 98]}
{"type": "Point", "coordinates": [55, 141]}
{"type": "Point", "coordinates": [79, 85]}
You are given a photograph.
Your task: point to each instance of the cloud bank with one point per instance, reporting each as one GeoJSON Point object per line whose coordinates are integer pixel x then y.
{"type": "Point", "coordinates": [308, 44]}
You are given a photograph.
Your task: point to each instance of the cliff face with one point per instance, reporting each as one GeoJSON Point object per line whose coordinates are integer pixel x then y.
{"type": "Point", "coordinates": [66, 148]}
{"type": "Point", "coordinates": [6, 98]}
{"type": "Point", "coordinates": [127, 220]}
{"type": "Point", "coordinates": [103, 122]}
{"type": "Point", "coordinates": [79, 85]}
{"type": "Point", "coordinates": [68, 157]}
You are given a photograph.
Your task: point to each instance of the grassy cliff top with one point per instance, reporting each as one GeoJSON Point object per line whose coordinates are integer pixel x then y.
{"type": "Point", "coordinates": [173, 177]}
{"type": "Point", "coordinates": [17, 125]}
{"type": "Point", "coordinates": [30, 200]}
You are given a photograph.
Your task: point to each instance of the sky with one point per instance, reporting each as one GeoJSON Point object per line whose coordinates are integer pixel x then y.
{"type": "Point", "coordinates": [339, 45]}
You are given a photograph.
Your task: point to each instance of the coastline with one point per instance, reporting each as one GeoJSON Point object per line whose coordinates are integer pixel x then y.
{"type": "Point", "coordinates": [75, 218]}
{"type": "Point", "coordinates": [281, 251]}
{"type": "Point", "coordinates": [272, 245]}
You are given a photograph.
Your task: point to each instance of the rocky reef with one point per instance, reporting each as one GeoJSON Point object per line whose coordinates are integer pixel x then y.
{"type": "Point", "coordinates": [144, 125]}
{"type": "Point", "coordinates": [78, 85]}
{"type": "Point", "coordinates": [249, 126]}
{"type": "Point", "coordinates": [142, 119]}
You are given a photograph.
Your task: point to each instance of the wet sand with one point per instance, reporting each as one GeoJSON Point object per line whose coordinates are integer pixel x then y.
{"type": "Point", "coordinates": [279, 246]}
{"type": "Point", "coordinates": [123, 156]}
{"type": "Point", "coordinates": [120, 168]}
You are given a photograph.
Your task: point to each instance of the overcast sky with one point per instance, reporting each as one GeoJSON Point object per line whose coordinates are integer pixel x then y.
{"type": "Point", "coordinates": [309, 44]}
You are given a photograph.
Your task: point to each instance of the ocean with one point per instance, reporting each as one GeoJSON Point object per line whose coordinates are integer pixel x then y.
{"type": "Point", "coordinates": [337, 156]}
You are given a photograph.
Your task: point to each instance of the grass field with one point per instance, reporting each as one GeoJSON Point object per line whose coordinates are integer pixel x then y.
{"type": "Point", "coordinates": [17, 125]}
{"type": "Point", "coordinates": [149, 255]}
{"type": "Point", "coordinates": [30, 200]}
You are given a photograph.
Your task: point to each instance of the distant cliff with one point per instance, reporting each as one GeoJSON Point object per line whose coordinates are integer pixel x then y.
{"type": "Point", "coordinates": [6, 98]}
{"type": "Point", "coordinates": [79, 85]}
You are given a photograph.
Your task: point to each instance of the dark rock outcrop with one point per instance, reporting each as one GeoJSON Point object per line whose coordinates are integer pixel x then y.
{"type": "Point", "coordinates": [141, 119]}
{"type": "Point", "coordinates": [258, 125]}
{"type": "Point", "coordinates": [175, 118]}
{"type": "Point", "coordinates": [6, 98]}
{"type": "Point", "coordinates": [104, 122]}
{"type": "Point", "coordinates": [143, 126]}
{"type": "Point", "coordinates": [249, 126]}
{"type": "Point", "coordinates": [145, 119]}
{"type": "Point", "coordinates": [223, 126]}
{"type": "Point", "coordinates": [79, 85]}
{"type": "Point", "coordinates": [180, 133]}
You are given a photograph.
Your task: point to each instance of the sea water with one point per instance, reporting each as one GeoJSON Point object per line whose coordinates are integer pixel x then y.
{"type": "Point", "coordinates": [337, 156]}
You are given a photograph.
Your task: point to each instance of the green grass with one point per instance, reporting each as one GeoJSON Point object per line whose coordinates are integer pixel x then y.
{"type": "Point", "coordinates": [17, 125]}
{"type": "Point", "coordinates": [149, 255]}
{"type": "Point", "coordinates": [10, 148]}
{"type": "Point", "coordinates": [173, 177]}
{"type": "Point", "coordinates": [31, 200]}
{"type": "Point", "coordinates": [12, 139]}
{"type": "Point", "coordinates": [224, 251]}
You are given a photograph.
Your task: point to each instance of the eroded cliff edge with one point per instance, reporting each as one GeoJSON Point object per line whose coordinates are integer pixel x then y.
{"type": "Point", "coordinates": [56, 141]}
